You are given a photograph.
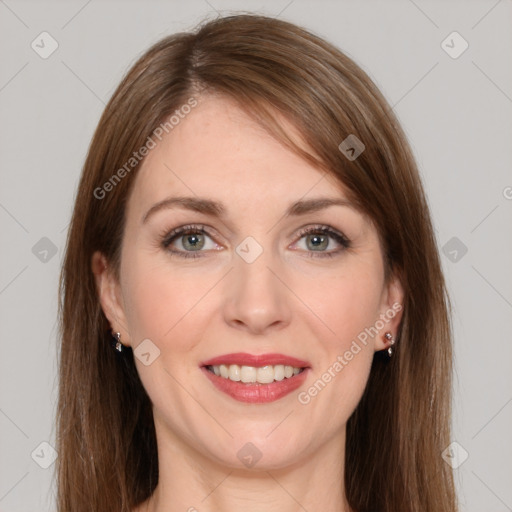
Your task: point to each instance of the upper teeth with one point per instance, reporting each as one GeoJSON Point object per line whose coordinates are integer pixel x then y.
{"type": "Point", "coordinates": [263, 374]}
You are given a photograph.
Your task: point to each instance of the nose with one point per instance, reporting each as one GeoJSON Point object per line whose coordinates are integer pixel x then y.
{"type": "Point", "coordinates": [256, 298]}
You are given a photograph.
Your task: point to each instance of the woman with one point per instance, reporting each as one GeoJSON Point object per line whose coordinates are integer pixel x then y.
{"type": "Point", "coordinates": [253, 312]}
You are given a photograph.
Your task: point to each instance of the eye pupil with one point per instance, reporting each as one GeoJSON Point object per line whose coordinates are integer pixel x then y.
{"type": "Point", "coordinates": [317, 240]}
{"type": "Point", "coordinates": [194, 241]}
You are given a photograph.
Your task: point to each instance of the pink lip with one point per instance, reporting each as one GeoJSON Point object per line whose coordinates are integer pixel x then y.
{"type": "Point", "coordinates": [243, 359]}
{"type": "Point", "coordinates": [257, 393]}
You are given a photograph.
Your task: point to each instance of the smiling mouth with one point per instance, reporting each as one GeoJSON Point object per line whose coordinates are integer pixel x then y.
{"type": "Point", "coordinates": [254, 374]}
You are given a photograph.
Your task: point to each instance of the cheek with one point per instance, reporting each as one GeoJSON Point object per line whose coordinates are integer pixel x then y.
{"type": "Point", "coordinates": [164, 305]}
{"type": "Point", "coordinates": [347, 304]}
{"type": "Point", "coordinates": [348, 308]}
{"type": "Point", "coordinates": [151, 305]}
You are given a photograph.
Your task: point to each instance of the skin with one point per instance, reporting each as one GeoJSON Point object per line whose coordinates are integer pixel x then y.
{"type": "Point", "coordinates": [285, 301]}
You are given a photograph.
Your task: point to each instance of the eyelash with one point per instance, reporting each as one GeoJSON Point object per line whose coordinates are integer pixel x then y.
{"type": "Point", "coordinates": [169, 237]}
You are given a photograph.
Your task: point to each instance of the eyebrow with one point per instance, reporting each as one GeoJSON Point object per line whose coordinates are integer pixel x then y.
{"type": "Point", "coordinates": [217, 209]}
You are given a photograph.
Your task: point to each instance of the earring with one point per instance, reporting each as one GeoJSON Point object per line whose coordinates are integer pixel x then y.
{"type": "Point", "coordinates": [391, 340]}
{"type": "Point", "coordinates": [117, 342]}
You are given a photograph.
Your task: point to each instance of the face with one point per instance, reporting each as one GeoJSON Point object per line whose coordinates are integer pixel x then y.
{"type": "Point", "coordinates": [246, 293]}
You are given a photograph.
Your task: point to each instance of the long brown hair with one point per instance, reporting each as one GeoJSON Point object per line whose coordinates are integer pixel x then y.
{"type": "Point", "coordinates": [105, 432]}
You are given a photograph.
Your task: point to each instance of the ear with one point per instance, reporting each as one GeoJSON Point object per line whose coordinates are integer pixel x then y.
{"type": "Point", "coordinates": [391, 311]}
{"type": "Point", "coordinates": [109, 294]}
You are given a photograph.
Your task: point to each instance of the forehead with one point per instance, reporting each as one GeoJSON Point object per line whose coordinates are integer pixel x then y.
{"type": "Point", "coordinates": [218, 150]}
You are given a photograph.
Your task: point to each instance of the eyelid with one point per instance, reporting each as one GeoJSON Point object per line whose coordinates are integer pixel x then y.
{"type": "Point", "coordinates": [328, 230]}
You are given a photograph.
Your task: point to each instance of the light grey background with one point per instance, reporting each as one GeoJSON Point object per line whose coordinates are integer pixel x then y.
{"type": "Point", "coordinates": [456, 112]}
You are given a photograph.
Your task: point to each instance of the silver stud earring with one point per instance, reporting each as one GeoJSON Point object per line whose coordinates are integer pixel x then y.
{"type": "Point", "coordinates": [389, 337]}
{"type": "Point", "coordinates": [117, 343]}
